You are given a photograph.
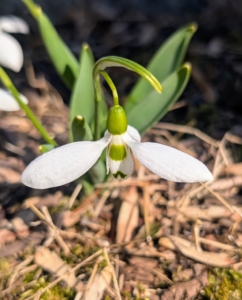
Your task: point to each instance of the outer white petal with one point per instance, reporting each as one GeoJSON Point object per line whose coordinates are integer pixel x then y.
{"type": "Point", "coordinates": [13, 24]}
{"type": "Point", "coordinates": [11, 54]}
{"type": "Point", "coordinates": [169, 163]}
{"type": "Point", "coordinates": [64, 164]}
{"type": "Point", "coordinates": [133, 132]}
{"type": "Point", "coordinates": [8, 103]}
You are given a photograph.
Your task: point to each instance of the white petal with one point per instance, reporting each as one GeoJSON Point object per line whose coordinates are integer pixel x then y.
{"type": "Point", "coordinates": [120, 169]}
{"type": "Point", "coordinates": [63, 165]}
{"type": "Point", "coordinates": [7, 101]}
{"type": "Point", "coordinates": [14, 25]}
{"type": "Point", "coordinates": [133, 132]}
{"type": "Point", "coordinates": [11, 54]}
{"type": "Point", "coordinates": [169, 163]}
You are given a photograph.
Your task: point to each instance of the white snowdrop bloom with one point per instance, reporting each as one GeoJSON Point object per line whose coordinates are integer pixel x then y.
{"type": "Point", "coordinates": [67, 163]}
{"type": "Point", "coordinates": [8, 102]}
{"type": "Point", "coordinates": [11, 54]}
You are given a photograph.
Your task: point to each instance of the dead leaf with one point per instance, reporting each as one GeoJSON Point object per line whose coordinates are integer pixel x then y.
{"type": "Point", "coordinates": [52, 263]}
{"type": "Point", "coordinates": [187, 290]}
{"type": "Point", "coordinates": [128, 216]}
{"type": "Point", "coordinates": [209, 258]}
{"type": "Point", "coordinates": [98, 286]}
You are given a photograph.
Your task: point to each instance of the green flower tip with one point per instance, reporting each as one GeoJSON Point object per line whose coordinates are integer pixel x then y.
{"type": "Point", "coordinates": [117, 121]}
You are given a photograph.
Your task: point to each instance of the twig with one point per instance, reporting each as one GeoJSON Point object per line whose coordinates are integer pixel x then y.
{"type": "Point", "coordinates": [196, 229]}
{"type": "Point", "coordinates": [220, 198]}
{"type": "Point", "coordinates": [115, 281]}
{"type": "Point", "coordinates": [146, 213]}
{"type": "Point", "coordinates": [90, 281]}
{"type": "Point", "coordinates": [145, 181]}
{"type": "Point", "coordinates": [47, 218]}
{"type": "Point", "coordinates": [216, 244]}
{"type": "Point", "coordinates": [87, 260]}
{"type": "Point", "coordinates": [101, 203]}
{"type": "Point", "coordinates": [24, 263]}
{"type": "Point", "coordinates": [74, 195]}
{"type": "Point", "coordinates": [190, 130]}
{"type": "Point", "coordinates": [58, 237]}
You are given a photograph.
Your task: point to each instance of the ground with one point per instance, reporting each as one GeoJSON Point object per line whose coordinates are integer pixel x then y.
{"type": "Point", "coordinates": [62, 243]}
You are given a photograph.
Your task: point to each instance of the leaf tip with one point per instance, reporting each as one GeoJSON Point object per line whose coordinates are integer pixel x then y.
{"type": "Point", "coordinates": [188, 66]}
{"type": "Point", "coordinates": [193, 27]}
{"type": "Point", "coordinates": [79, 118]}
{"type": "Point", "coordinates": [85, 46]}
{"type": "Point", "coordinates": [34, 9]}
{"type": "Point", "coordinates": [160, 89]}
{"type": "Point", "coordinates": [156, 85]}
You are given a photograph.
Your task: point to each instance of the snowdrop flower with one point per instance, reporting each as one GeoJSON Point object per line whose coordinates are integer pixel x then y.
{"type": "Point", "coordinates": [11, 54]}
{"type": "Point", "coordinates": [67, 163]}
{"type": "Point", "coordinates": [8, 103]}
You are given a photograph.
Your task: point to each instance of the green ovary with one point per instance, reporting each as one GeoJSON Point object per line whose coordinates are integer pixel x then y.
{"type": "Point", "coordinates": [117, 152]}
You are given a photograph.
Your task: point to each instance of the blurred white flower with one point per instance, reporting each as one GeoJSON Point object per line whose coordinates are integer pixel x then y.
{"type": "Point", "coordinates": [11, 54]}
{"type": "Point", "coordinates": [8, 102]}
{"type": "Point", "coordinates": [67, 163]}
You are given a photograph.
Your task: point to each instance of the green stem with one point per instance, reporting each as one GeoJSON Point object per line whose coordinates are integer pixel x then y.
{"type": "Point", "coordinates": [115, 61]}
{"type": "Point", "coordinates": [98, 98]}
{"type": "Point", "coordinates": [10, 86]}
{"type": "Point", "coordinates": [112, 87]}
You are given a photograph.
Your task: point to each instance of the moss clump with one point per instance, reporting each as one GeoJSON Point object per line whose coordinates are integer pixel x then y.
{"type": "Point", "coordinates": [224, 284]}
{"type": "Point", "coordinates": [57, 292]}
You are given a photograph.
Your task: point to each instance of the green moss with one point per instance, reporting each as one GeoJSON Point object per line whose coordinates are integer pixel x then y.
{"type": "Point", "coordinates": [224, 284]}
{"type": "Point", "coordinates": [58, 292]}
{"type": "Point", "coordinates": [126, 295]}
{"type": "Point", "coordinates": [30, 276]}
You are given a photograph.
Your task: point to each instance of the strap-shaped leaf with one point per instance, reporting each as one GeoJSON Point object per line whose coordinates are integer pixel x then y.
{"type": "Point", "coordinates": [166, 60]}
{"type": "Point", "coordinates": [82, 97]}
{"type": "Point", "coordinates": [64, 61]}
{"type": "Point", "coordinates": [148, 112]}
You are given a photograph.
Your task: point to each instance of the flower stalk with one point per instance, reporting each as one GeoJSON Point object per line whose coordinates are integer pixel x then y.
{"type": "Point", "coordinates": [112, 87]}
{"type": "Point", "coordinates": [115, 61]}
{"type": "Point", "coordinates": [10, 86]}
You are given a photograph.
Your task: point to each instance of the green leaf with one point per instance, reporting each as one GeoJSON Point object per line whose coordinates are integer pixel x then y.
{"type": "Point", "coordinates": [98, 172]}
{"type": "Point", "coordinates": [80, 129]}
{"type": "Point", "coordinates": [82, 97]}
{"type": "Point", "coordinates": [64, 61]}
{"type": "Point", "coordinates": [148, 112]}
{"type": "Point", "coordinates": [46, 148]}
{"type": "Point", "coordinates": [166, 60]}
{"type": "Point", "coordinates": [103, 115]}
